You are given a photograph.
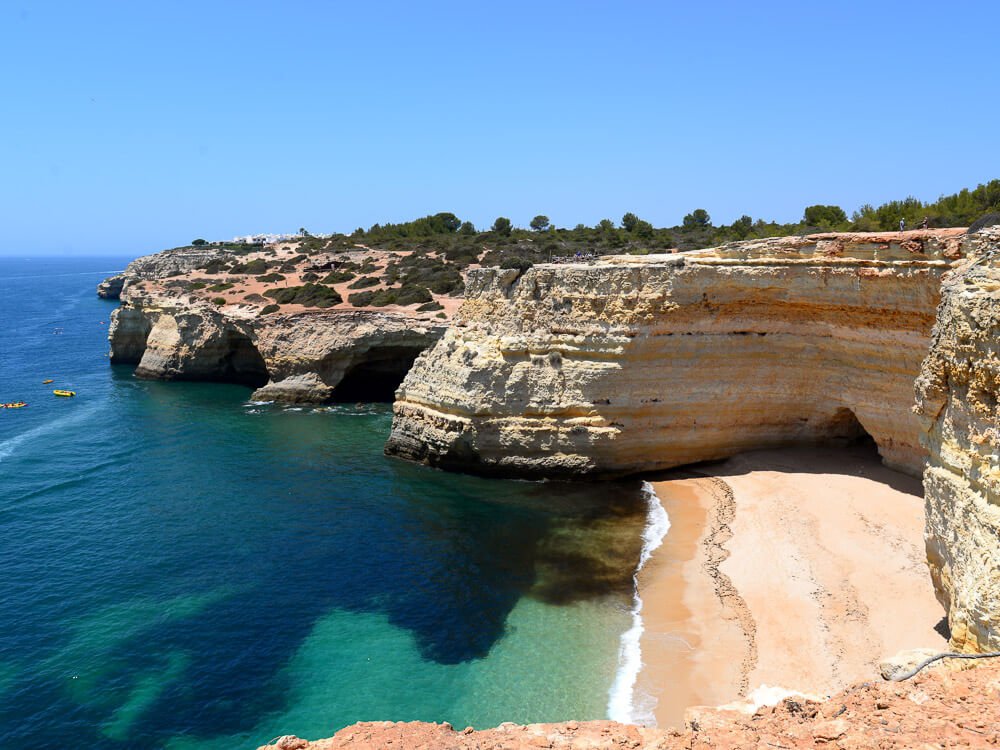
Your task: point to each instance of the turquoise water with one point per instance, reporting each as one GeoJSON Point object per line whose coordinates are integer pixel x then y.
{"type": "Point", "coordinates": [185, 569]}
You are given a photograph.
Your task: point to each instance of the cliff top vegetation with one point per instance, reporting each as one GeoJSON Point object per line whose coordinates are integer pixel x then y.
{"type": "Point", "coordinates": [419, 263]}
{"type": "Point", "coordinates": [460, 243]}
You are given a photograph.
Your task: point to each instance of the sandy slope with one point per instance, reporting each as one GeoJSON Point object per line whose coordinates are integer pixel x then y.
{"type": "Point", "coordinates": [794, 568]}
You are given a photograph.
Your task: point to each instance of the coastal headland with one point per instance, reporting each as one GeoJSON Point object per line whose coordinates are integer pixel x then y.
{"type": "Point", "coordinates": [793, 569]}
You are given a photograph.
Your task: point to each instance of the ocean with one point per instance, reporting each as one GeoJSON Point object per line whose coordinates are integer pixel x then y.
{"type": "Point", "coordinates": [184, 568]}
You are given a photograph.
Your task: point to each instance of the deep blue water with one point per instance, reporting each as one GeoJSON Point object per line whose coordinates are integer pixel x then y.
{"type": "Point", "coordinates": [182, 568]}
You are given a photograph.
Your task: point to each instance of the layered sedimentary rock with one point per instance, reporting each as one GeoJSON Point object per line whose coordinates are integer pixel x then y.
{"type": "Point", "coordinates": [957, 396]}
{"type": "Point", "coordinates": [111, 287]}
{"type": "Point", "coordinates": [642, 363]}
{"type": "Point", "coordinates": [308, 357]}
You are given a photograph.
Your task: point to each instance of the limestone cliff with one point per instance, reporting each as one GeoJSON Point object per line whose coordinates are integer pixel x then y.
{"type": "Point", "coordinates": [957, 396]}
{"type": "Point", "coordinates": [111, 287]}
{"type": "Point", "coordinates": [642, 363]}
{"type": "Point", "coordinates": [301, 357]}
{"type": "Point", "coordinates": [177, 322]}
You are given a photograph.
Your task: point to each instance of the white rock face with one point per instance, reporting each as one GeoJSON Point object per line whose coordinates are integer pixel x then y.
{"type": "Point", "coordinates": [643, 363]}
{"type": "Point", "coordinates": [957, 396]}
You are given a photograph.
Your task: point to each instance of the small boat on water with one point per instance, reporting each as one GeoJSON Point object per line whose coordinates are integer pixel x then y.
{"type": "Point", "coordinates": [46, 382]}
{"type": "Point", "coordinates": [13, 405]}
{"type": "Point", "coordinates": [64, 394]}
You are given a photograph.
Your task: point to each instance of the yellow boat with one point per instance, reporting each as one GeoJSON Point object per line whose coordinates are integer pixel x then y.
{"type": "Point", "coordinates": [64, 393]}
{"type": "Point", "coordinates": [46, 382]}
{"type": "Point", "coordinates": [13, 405]}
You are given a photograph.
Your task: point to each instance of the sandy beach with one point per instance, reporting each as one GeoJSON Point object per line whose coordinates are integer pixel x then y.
{"type": "Point", "coordinates": [794, 568]}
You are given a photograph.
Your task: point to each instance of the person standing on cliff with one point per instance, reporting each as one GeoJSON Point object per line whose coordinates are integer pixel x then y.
{"type": "Point", "coordinates": [902, 225]}
{"type": "Point", "coordinates": [923, 224]}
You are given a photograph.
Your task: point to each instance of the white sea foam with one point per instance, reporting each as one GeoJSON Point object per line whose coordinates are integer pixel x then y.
{"type": "Point", "coordinates": [8, 446]}
{"type": "Point", "coordinates": [623, 705]}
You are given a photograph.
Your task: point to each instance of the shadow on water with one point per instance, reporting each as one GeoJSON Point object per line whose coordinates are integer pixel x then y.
{"type": "Point", "coordinates": [483, 544]}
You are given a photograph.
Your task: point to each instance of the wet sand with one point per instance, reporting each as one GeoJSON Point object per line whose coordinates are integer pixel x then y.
{"type": "Point", "coordinates": [794, 568]}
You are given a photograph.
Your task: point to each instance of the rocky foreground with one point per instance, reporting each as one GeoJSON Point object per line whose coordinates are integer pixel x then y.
{"type": "Point", "coordinates": [937, 709]}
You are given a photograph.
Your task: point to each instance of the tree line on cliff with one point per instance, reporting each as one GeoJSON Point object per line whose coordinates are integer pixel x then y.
{"type": "Point", "coordinates": [446, 242]}
{"type": "Point", "coordinates": [634, 234]}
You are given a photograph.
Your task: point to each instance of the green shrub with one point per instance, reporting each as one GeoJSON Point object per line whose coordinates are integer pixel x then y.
{"type": "Point", "coordinates": [338, 277]}
{"type": "Point", "coordinates": [430, 306]}
{"type": "Point", "coordinates": [215, 266]}
{"type": "Point", "coordinates": [220, 287]}
{"type": "Point", "coordinates": [515, 261]}
{"type": "Point", "coordinates": [310, 276]}
{"type": "Point", "coordinates": [411, 294]}
{"type": "Point", "coordinates": [404, 295]}
{"type": "Point", "coordinates": [254, 267]}
{"type": "Point", "coordinates": [271, 278]}
{"type": "Point", "coordinates": [196, 285]}
{"type": "Point", "coordinates": [364, 282]}
{"type": "Point", "coordinates": [268, 309]}
{"type": "Point", "coordinates": [219, 301]}
{"type": "Point", "coordinates": [307, 295]}
{"type": "Point", "coordinates": [361, 299]}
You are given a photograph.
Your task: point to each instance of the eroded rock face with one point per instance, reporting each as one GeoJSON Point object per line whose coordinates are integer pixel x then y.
{"type": "Point", "coordinates": [957, 395]}
{"type": "Point", "coordinates": [192, 343]}
{"type": "Point", "coordinates": [200, 313]}
{"type": "Point", "coordinates": [170, 262]}
{"type": "Point", "coordinates": [643, 363]}
{"type": "Point", "coordinates": [309, 355]}
{"type": "Point", "coordinates": [300, 358]}
{"type": "Point", "coordinates": [111, 287]}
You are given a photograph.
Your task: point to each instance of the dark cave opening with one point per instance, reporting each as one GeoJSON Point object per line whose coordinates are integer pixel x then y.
{"type": "Point", "coordinates": [376, 379]}
{"type": "Point", "coordinates": [243, 364]}
{"type": "Point", "coordinates": [846, 430]}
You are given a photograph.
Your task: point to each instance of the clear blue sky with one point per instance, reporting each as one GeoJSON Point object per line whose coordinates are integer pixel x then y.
{"type": "Point", "coordinates": [131, 126]}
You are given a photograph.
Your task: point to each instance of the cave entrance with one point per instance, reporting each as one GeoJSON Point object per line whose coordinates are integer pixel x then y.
{"type": "Point", "coordinates": [376, 378]}
{"type": "Point", "coordinates": [846, 430]}
{"type": "Point", "coordinates": [243, 364]}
